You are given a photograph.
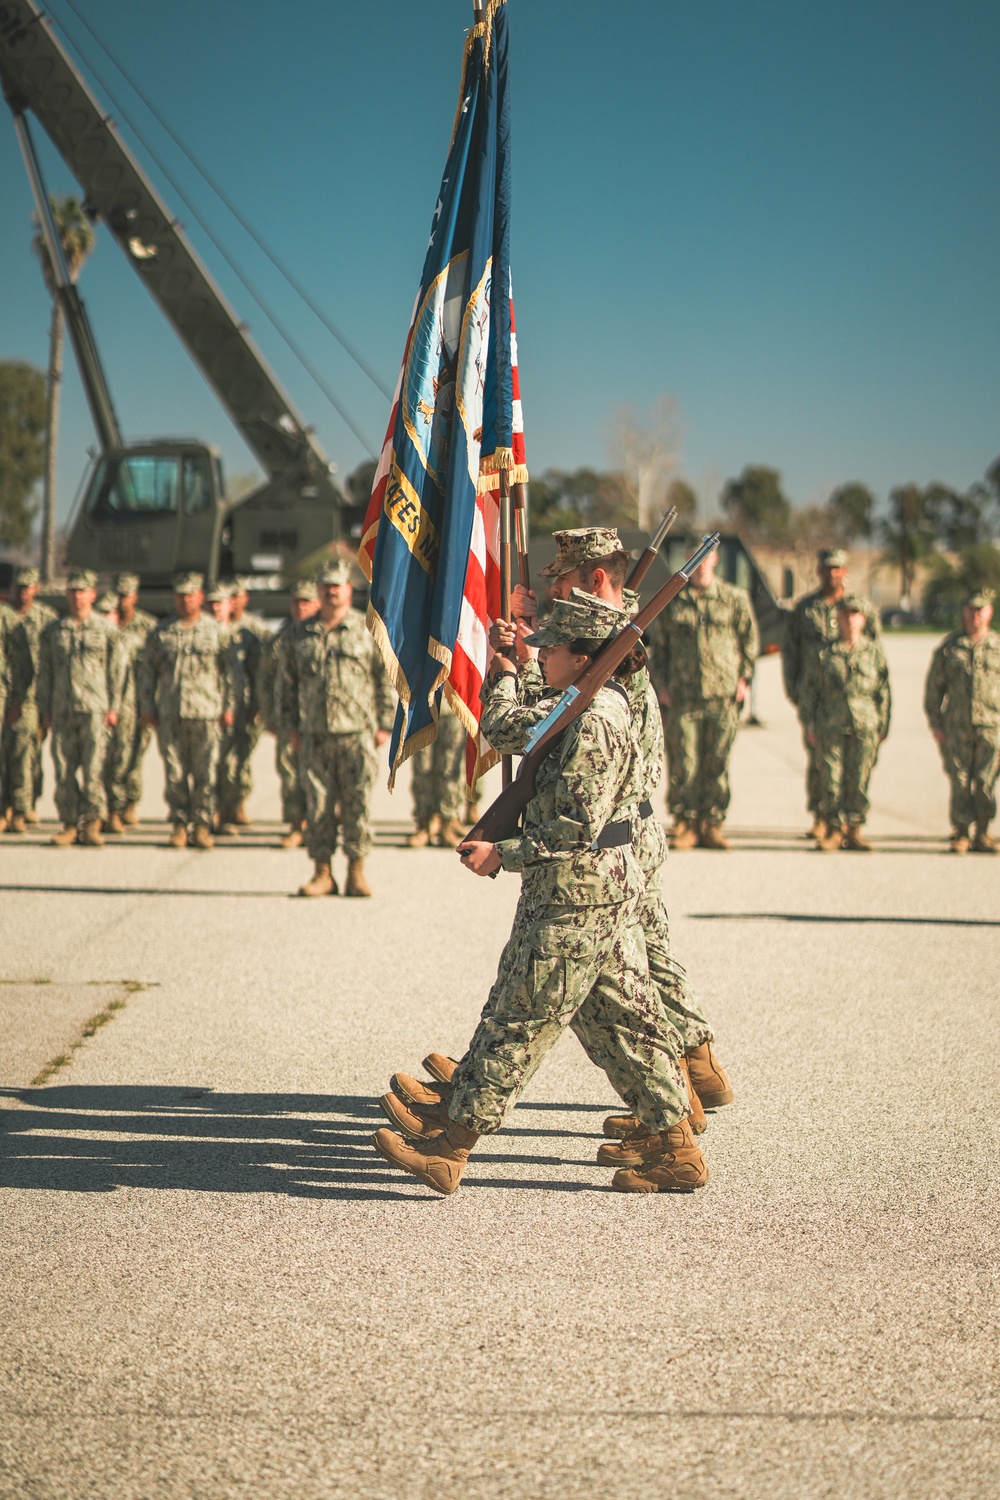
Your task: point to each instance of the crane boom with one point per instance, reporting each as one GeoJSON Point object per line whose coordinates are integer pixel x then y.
{"type": "Point", "coordinates": [37, 74]}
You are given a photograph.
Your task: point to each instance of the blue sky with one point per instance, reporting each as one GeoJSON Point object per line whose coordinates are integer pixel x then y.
{"type": "Point", "coordinates": [785, 215]}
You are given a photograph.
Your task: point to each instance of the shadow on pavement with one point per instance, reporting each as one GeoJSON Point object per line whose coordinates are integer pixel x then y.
{"type": "Point", "coordinates": [137, 890]}
{"type": "Point", "coordinates": [792, 916]}
{"type": "Point", "coordinates": [83, 1139]}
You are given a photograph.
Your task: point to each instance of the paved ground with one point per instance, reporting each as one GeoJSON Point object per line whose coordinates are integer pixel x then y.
{"type": "Point", "coordinates": [210, 1287]}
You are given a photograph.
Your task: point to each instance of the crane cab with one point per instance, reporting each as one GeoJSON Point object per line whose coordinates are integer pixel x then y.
{"type": "Point", "coordinates": [152, 508]}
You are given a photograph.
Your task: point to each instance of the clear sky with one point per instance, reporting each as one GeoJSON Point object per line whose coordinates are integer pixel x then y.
{"type": "Point", "coordinates": [787, 215]}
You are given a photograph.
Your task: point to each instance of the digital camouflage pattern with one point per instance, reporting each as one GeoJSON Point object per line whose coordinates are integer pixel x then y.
{"type": "Point", "coordinates": [845, 698]}
{"type": "Point", "coordinates": [962, 700]}
{"type": "Point", "coordinates": [190, 751]}
{"type": "Point", "coordinates": [810, 626]}
{"type": "Point", "coordinates": [332, 681]}
{"type": "Point", "coordinates": [235, 781]}
{"type": "Point", "coordinates": [81, 674]}
{"type": "Point", "coordinates": [128, 740]}
{"type": "Point", "coordinates": [331, 688]}
{"type": "Point", "coordinates": [438, 777]}
{"type": "Point", "coordinates": [287, 759]}
{"type": "Point", "coordinates": [700, 649]}
{"type": "Point", "coordinates": [575, 955]}
{"type": "Point", "coordinates": [20, 742]}
{"type": "Point", "coordinates": [188, 671]}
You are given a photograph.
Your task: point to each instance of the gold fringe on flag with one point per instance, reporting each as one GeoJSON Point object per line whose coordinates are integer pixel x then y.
{"type": "Point", "coordinates": [487, 481]}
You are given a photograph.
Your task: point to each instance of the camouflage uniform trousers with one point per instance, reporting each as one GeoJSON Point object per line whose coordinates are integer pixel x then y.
{"type": "Point", "coordinates": [128, 742]}
{"type": "Point", "coordinates": [972, 762]}
{"type": "Point", "coordinates": [814, 796]}
{"type": "Point", "coordinates": [21, 761]}
{"type": "Point", "coordinates": [439, 774]}
{"type": "Point", "coordinates": [247, 741]}
{"type": "Point", "coordinates": [79, 745]}
{"type": "Point", "coordinates": [699, 744]}
{"type": "Point", "coordinates": [288, 764]}
{"type": "Point", "coordinates": [583, 967]}
{"type": "Point", "coordinates": [190, 750]}
{"type": "Point", "coordinates": [338, 771]}
{"type": "Point", "coordinates": [669, 977]}
{"type": "Point", "coordinates": [235, 777]}
{"type": "Point", "coordinates": [845, 763]}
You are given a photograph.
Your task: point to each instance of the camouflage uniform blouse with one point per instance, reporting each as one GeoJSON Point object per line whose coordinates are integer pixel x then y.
{"type": "Point", "coordinates": [706, 641]}
{"type": "Point", "coordinates": [81, 668]}
{"type": "Point", "coordinates": [846, 690]}
{"type": "Point", "coordinates": [332, 681]}
{"type": "Point", "coordinates": [188, 671]}
{"type": "Point", "coordinates": [810, 626]}
{"type": "Point", "coordinates": [963, 684]}
{"type": "Point", "coordinates": [585, 783]}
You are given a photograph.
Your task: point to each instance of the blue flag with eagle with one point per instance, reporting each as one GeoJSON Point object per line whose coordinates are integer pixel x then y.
{"type": "Point", "coordinates": [451, 428]}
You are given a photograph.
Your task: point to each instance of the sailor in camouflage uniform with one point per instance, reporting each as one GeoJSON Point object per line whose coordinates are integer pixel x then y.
{"type": "Point", "coordinates": [438, 785]}
{"type": "Point", "coordinates": [962, 704]}
{"type": "Point", "coordinates": [20, 741]}
{"type": "Point", "coordinates": [251, 639]}
{"type": "Point", "coordinates": [219, 600]}
{"type": "Point", "coordinates": [81, 674]}
{"type": "Point", "coordinates": [703, 654]}
{"type": "Point", "coordinates": [335, 702]}
{"type": "Point", "coordinates": [17, 683]}
{"type": "Point", "coordinates": [188, 688]}
{"type": "Point", "coordinates": [846, 702]}
{"type": "Point", "coordinates": [129, 739]}
{"type": "Point", "coordinates": [575, 954]}
{"type": "Point", "coordinates": [810, 626]}
{"type": "Point", "coordinates": [287, 760]}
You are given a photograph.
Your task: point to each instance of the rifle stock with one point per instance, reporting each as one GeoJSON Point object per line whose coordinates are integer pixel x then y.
{"type": "Point", "coordinates": [501, 819]}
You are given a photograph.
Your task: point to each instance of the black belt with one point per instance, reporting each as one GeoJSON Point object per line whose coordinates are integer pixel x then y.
{"type": "Point", "coordinates": [646, 809]}
{"type": "Point", "coordinates": [614, 835]}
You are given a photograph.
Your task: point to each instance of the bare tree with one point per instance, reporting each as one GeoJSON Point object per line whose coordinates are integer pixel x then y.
{"type": "Point", "coordinates": [646, 449]}
{"type": "Point", "coordinates": [76, 234]}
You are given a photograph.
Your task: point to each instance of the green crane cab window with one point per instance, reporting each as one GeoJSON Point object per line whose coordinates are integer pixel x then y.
{"type": "Point", "coordinates": [197, 486]}
{"type": "Point", "coordinates": [140, 484]}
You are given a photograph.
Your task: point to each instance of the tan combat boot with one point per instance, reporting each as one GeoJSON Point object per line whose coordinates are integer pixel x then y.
{"type": "Point", "coordinates": [679, 1168]}
{"type": "Point", "coordinates": [959, 841]}
{"type": "Point", "coordinates": [130, 815]}
{"type": "Point", "coordinates": [416, 1123]}
{"type": "Point", "coordinates": [983, 844]}
{"type": "Point", "coordinates": [853, 839]}
{"type": "Point", "coordinates": [178, 839]}
{"type": "Point", "coordinates": [91, 834]}
{"type": "Point", "coordinates": [452, 834]}
{"type": "Point", "coordinates": [472, 813]}
{"type": "Point", "coordinates": [16, 823]}
{"type": "Point", "coordinates": [617, 1127]}
{"type": "Point", "coordinates": [356, 885]}
{"type": "Point", "coordinates": [438, 1162]}
{"type": "Point", "coordinates": [632, 1150]}
{"type": "Point", "coordinates": [66, 835]}
{"type": "Point", "coordinates": [31, 818]}
{"type": "Point", "coordinates": [683, 835]}
{"type": "Point", "coordinates": [708, 1077]}
{"type": "Point", "coordinates": [420, 837]}
{"type": "Point", "coordinates": [818, 830]}
{"type": "Point", "coordinates": [698, 1119]}
{"type": "Point", "coordinates": [413, 1091]}
{"type": "Point", "coordinates": [114, 824]}
{"type": "Point", "coordinates": [712, 837]}
{"type": "Point", "coordinates": [439, 1066]}
{"type": "Point", "coordinates": [832, 840]}
{"type": "Point", "coordinates": [322, 882]}
{"type": "Point", "coordinates": [292, 839]}
{"type": "Point", "coordinates": [241, 817]}
{"type": "Point", "coordinates": [202, 837]}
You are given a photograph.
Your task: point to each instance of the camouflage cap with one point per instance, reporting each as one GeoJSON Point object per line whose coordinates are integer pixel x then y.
{"type": "Point", "coordinates": [26, 578]}
{"type": "Point", "coordinates": [305, 589]}
{"type": "Point", "coordinates": [107, 604]}
{"type": "Point", "coordinates": [832, 557]}
{"type": "Point", "coordinates": [239, 585]}
{"type": "Point", "coordinates": [582, 618]}
{"type": "Point", "coordinates": [220, 594]}
{"type": "Point", "coordinates": [126, 584]}
{"type": "Point", "coordinates": [337, 571]}
{"type": "Point", "coordinates": [82, 578]}
{"type": "Point", "coordinates": [585, 544]}
{"type": "Point", "coordinates": [188, 583]}
{"type": "Point", "coordinates": [980, 598]}
{"type": "Point", "coordinates": [851, 604]}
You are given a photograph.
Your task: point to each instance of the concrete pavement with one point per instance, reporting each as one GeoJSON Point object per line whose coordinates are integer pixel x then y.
{"type": "Point", "coordinates": [211, 1287]}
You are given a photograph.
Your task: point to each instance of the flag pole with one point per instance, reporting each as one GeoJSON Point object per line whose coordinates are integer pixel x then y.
{"type": "Point", "coordinates": [521, 535]}
{"type": "Point", "coordinates": [507, 761]}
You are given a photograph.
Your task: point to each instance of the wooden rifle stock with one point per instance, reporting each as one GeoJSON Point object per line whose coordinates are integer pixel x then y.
{"type": "Point", "coordinates": [501, 819]}
{"type": "Point", "coordinates": [645, 560]}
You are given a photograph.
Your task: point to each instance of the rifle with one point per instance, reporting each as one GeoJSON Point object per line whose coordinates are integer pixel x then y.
{"type": "Point", "coordinates": [501, 819]}
{"type": "Point", "coordinates": [646, 558]}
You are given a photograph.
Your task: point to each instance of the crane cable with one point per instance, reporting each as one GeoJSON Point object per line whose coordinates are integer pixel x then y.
{"type": "Point", "coordinates": [244, 279]}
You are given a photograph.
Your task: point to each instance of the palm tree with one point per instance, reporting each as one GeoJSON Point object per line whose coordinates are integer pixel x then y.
{"type": "Point", "coordinates": [76, 234]}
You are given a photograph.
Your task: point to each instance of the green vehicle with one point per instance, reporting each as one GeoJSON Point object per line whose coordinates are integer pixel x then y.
{"type": "Point", "coordinates": [157, 507]}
